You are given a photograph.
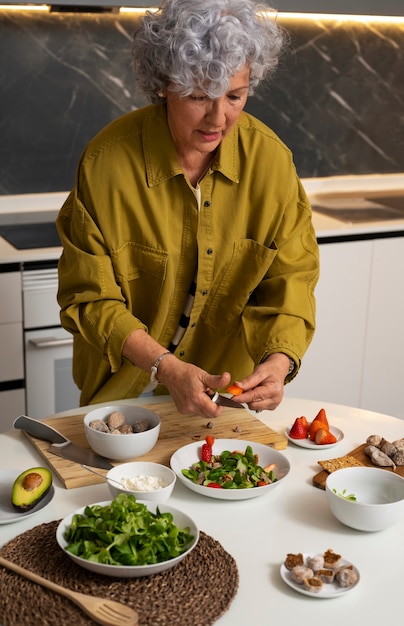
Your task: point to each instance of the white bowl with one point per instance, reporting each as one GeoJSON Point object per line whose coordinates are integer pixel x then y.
{"type": "Point", "coordinates": [139, 468]}
{"type": "Point", "coordinates": [379, 497]}
{"type": "Point", "coordinates": [187, 455]}
{"type": "Point", "coordinates": [182, 520]}
{"type": "Point", "coordinates": [122, 447]}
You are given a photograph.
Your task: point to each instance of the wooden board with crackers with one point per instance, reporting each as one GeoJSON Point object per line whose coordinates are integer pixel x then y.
{"type": "Point", "coordinates": [352, 459]}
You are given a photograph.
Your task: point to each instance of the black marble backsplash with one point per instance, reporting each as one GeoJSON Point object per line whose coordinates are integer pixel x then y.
{"type": "Point", "coordinates": [337, 100]}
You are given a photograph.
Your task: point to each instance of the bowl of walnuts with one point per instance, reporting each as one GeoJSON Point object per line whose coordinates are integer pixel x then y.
{"type": "Point", "coordinates": [122, 432]}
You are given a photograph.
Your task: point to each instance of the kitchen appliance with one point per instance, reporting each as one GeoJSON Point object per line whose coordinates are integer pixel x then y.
{"type": "Point", "coordinates": [356, 208]}
{"type": "Point", "coordinates": [48, 347]}
{"type": "Point", "coordinates": [61, 445]}
{"type": "Point", "coordinates": [31, 236]}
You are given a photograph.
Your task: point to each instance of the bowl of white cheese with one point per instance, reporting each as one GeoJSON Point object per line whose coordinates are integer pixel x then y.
{"type": "Point", "coordinates": [145, 480]}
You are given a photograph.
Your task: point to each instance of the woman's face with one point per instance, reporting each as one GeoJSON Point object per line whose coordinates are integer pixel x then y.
{"type": "Point", "coordinates": [198, 123]}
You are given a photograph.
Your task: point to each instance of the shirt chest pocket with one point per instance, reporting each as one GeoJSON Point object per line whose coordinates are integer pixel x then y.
{"type": "Point", "coordinates": [140, 271]}
{"type": "Point", "coordinates": [233, 290]}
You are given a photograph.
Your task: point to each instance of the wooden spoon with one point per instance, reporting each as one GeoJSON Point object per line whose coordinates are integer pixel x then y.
{"type": "Point", "coordinates": [105, 612]}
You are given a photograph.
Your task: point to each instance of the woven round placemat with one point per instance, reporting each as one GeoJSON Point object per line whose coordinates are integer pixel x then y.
{"type": "Point", "coordinates": [196, 592]}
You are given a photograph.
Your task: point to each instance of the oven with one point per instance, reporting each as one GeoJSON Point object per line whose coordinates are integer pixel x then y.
{"type": "Point", "coordinates": [48, 348]}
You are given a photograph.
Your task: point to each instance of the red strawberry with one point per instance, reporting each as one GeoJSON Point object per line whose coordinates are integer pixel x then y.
{"type": "Point", "coordinates": [324, 436]}
{"type": "Point", "coordinates": [214, 485]}
{"type": "Point", "coordinates": [210, 440]}
{"type": "Point", "coordinates": [206, 454]}
{"type": "Point", "coordinates": [299, 428]}
{"type": "Point", "coordinates": [322, 417]}
{"type": "Point", "coordinates": [304, 421]}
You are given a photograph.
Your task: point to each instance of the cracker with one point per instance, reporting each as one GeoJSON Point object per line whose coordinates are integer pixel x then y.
{"type": "Point", "coordinates": [331, 465]}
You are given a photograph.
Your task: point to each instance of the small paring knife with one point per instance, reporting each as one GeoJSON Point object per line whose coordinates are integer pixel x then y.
{"type": "Point", "coordinates": [220, 400]}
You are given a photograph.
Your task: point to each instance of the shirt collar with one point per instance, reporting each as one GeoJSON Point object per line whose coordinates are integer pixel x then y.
{"type": "Point", "coordinates": [161, 157]}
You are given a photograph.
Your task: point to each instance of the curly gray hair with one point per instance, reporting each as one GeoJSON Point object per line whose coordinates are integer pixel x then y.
{"type": "Point", "coordinates": [200, 44]}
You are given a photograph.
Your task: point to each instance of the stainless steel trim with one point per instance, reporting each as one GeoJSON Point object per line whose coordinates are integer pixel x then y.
{"type": "Point", "coordinates": [50, 342]}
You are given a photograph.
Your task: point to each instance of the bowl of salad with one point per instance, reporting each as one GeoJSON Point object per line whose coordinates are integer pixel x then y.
{"type": "Point", "coordinates": [93, 537]}
{"type": "Point", "coordinates": [236, 470]}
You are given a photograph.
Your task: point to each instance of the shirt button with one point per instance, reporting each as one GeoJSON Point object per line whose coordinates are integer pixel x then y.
{"type": "Point", "coordinates": [193, 325]}
{"type": "Point", "coordinates": [205, 292]}
{"type": "Point", "coordinates": [209, 251]}
{"type": "Point", "coordinates": [182, 353]}
{"type": "Point", "coordinates": [206, 203]}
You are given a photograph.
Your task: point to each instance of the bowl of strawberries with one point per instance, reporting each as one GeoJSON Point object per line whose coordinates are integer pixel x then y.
{"type": "Point", "coordinates": [317, 433]}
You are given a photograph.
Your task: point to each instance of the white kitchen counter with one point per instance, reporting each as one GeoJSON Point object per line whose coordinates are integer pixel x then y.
{"type": "Point", "coordinates": [44, 207]}
{"type": "Point", "coordinates": [258, 533]}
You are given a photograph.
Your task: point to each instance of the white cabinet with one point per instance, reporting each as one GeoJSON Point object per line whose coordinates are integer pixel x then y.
{"type": "Point", "coordinates": [12, 404]}
{"type": "Point", "coordinates": [356, 355]}
{"type": "Point", "coordinates": [11, 360]}
{"type": "Point", "coordinates": [384, 354]}
{"type": "Point", "coordinates": [12, 399]}
{"type": "Point", "coordinates": [331, 368]}
{"type": "Point", "coordinates": [10, 301]}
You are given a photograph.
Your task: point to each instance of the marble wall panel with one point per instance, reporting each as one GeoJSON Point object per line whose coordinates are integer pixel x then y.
{"type": "Point", "coordinates": [337, 99]}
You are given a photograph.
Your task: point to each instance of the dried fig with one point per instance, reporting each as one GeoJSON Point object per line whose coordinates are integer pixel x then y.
{"type": "Point", "coordinates": [387, 447]}
{"type": "Point", "coordinates": [374, 440]}
{"type": "Point", "coordinates": [381, 459]}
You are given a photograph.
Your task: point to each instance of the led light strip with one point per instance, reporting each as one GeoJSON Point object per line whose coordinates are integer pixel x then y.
{"type": "Point", "coordinates": [334, 17]}
{"type": "Point", "coordinates": [341, 17]}
{"type": "Point", "coordinates": [24, 7]}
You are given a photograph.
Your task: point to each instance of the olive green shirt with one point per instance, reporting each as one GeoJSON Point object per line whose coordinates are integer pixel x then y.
{"type": "Point", "coordinates": [132, 238]}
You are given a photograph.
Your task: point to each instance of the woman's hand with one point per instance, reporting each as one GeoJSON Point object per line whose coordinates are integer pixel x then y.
{"type": "Point", "coordinates": [263, 389]}
{"type": "Point", "coordinates": [187, 384]}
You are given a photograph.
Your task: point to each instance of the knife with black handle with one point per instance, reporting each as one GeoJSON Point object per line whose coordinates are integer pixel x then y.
{"type": "Point", "coordinates": [220, 400]}
{"type": "Point", "coordinates": [61, 445]}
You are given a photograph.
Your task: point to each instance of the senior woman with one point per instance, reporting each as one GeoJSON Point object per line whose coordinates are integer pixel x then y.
{"type": "Point", "coordinates": [189, 256]}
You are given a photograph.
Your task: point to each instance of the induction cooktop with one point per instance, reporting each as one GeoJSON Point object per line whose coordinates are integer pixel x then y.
{"type": "Point", "coordinates": [30, 236]}
{"type": "Point", "coordinates": [358, 209]}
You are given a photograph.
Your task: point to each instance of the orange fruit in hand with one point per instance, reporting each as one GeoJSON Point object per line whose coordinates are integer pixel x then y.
{"type": "Point", "coordinates": [234, 390]}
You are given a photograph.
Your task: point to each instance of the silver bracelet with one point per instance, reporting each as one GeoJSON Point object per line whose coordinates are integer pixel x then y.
{"type": "Point", "coordinates": [155, 366]}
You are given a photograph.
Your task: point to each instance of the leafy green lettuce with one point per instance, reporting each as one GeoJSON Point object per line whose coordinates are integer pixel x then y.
{"type": "Point", "coordinates": [125, 532]}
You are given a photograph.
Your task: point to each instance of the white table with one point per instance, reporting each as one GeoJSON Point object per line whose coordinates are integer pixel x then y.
{"type": "Point", "coordinates": [259, 532]}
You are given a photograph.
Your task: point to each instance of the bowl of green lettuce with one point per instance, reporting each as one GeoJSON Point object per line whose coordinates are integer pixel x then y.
{"type": "Point", "coordinates": [127, 538]}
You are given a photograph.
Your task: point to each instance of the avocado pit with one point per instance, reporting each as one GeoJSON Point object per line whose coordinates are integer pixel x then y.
{"type": "Point", "coordinates": [32, 481]}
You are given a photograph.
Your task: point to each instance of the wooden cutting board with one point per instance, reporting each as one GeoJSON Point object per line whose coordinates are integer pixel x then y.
{"type": "Point", "coordinates": [176, 431]}
{"type": "Point", "coordinates": [359, 454]}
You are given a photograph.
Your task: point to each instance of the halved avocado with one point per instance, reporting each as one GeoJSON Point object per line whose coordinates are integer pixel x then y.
{"type": "Point", "coordinates": [30, 488]}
